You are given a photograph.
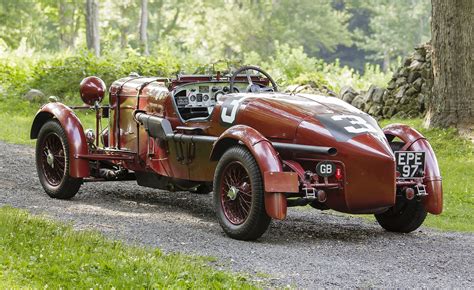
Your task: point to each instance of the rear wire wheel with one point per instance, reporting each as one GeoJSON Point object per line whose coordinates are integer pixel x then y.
{"type": "Point", "coordinates": [239, 195]}
{"type": "Point", "coordinates": [406, 215]}
{"type": "Point", "coordinates": [52, 162]}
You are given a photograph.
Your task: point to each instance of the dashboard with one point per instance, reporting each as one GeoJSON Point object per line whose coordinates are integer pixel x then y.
{"type": "Point", "coordinates": [203, 95]}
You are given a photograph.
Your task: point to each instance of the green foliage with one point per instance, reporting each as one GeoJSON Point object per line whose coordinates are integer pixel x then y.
{"type": "Point", "coordinates": [60, 74]}
{"type": "Point", "coordinates": [211, 30]}
{"type": "Point", "coordinates": [38, 253]}
{"type": "Point", "coordinates": [289, 63]}
{"type": "Point", "coordinates": [293, 66]}
{"type": "Point", "coordinates": [396, 27]}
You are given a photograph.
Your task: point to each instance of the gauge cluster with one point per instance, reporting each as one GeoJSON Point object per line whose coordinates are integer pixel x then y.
{"type": "Point", "coordinates": [201, 94]}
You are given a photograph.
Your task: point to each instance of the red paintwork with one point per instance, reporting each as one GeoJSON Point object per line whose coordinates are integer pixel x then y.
{"type": "Point", "coordinates": [92, 90]}
{"type": "Point", "coordinates": [281, 181]}
{"type": "Point", "coordinates": [74, 132]}
{"type": "Point", "coordinates": [367, 182]}
{"type": "Point", "coordinates": [415, 141]}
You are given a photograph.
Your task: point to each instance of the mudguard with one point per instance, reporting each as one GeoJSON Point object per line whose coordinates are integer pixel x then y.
{"type": "Point", "coordinates": [267, 160]}
{"type": "Point", "coordinates": [74, 132]}
{"type": "Point", "coordinates": [415, 141]}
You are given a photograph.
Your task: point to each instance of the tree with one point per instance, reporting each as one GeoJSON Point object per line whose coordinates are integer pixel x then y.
{"type": "Point", "coordinates": [69, 23]}
{"type": "Point", "coordinates": [92, 26]}
{"type": "Point", "coordinates": [452, 103]}
{"type": "Point", "coordinates": [143, 27]}
{"type": "Point", "coordinates": [395, 28]}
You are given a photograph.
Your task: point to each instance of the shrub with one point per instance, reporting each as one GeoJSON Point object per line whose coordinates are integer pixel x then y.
{"type": "Point", "coordinates": [60, 74]}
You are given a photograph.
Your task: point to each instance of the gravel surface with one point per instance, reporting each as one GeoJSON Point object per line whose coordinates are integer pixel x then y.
{"type": "Point", "coordinates": [309, 249]}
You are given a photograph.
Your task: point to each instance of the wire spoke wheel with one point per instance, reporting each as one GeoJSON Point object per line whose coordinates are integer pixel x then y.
{"type": "Point", "coordinates": [53, 159]}
{"type": "Point", "coordinates": [236, 196]}
{"type": "Point", "coordinates": [52, 162]}
{"type": "Point", "coordinates": [239, 195]}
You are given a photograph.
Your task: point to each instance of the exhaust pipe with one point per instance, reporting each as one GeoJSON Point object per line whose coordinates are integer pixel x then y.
{"type": "Point", "coordinates": [161, 128]}
{"type": "Point", "coordinates": [305, 148]}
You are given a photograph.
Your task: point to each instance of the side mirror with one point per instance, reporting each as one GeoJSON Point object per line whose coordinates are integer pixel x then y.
{"type": "Point", "coordinates": [92, 90]}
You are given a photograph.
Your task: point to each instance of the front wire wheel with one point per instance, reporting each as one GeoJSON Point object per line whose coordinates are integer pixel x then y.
{"type": "Point", "coordinates": [239, 196]}
{"type": "Point", "coordinates": [52, 162]}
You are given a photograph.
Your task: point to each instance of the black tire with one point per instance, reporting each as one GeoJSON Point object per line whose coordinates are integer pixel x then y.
{"type": "Point", "coordinates": [56, 181]}
{"type": "Point", "coordinates": [406, 215]}
{"type": "Point", "coordinates": [256, 220]}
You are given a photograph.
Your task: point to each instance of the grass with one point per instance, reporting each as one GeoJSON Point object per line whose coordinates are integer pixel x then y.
{"type": "Point", "coordinates": [16, 118]}
{"type": "Point", "coordinates": [38, 253]}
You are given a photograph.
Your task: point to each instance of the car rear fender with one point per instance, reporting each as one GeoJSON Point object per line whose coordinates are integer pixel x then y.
{"type": "Point", "coordinates": [74, 132]}
{"type": "Point", "coordinates": [268, 161]}
{"type": "Point", "coordinates": [415, 141]}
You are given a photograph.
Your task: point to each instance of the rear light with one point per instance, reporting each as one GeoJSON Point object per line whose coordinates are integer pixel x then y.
{"type": "Point", "coordinates": [338, 174]}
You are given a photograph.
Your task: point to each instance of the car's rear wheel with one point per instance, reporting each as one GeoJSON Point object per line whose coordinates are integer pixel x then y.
{"type": "Point", "coordinates": [239, 196]}
{"type": "Point", "coordinates": [406, 215]}
{"type": "Point", "coordinates": [52, 162]}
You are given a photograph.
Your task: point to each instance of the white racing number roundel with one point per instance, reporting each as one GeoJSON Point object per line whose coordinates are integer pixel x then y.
{"type": "Point", "coordinates": [230, 108]}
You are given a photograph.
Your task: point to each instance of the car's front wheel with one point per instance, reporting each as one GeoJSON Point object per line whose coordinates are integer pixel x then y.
{"type": "Point", "coordinates": [239, 195]}
{"type": "Point", "coordinates": [52, 162]}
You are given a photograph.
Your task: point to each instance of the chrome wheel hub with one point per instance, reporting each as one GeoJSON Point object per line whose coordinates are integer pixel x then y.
{"type": "Point", "coordinates": [50, 159]}
{"type": "Point", "coordinates": [232, 193]}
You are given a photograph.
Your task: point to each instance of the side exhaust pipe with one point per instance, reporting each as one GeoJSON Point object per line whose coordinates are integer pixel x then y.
{"type": "Point", "coordinates": [305, 148]}
{"type": "Point", "coordinates": [161, 128]}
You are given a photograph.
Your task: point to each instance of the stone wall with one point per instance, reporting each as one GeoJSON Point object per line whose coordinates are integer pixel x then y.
{"type": "Point", "coordinates": [407, 93]}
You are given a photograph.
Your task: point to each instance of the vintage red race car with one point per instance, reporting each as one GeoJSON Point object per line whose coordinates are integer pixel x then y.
{"type": "Point", "coordinates": [259, 150]}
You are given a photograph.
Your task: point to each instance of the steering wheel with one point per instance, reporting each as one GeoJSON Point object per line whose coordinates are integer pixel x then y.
{"type": "Point", "coordinates": [253, 88]}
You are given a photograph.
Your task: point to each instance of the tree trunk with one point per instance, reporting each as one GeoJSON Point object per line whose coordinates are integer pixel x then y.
{"type": "Point", "coordinates": [92, 27]}
{"type": "Point", "coordinates": [452, 103]}
{"type": "Point", "coordinates": [143, 27]}
{"type": "Point", "coordinates": [386, 61]}
{"type": "Point", "coordinates": [67, 24]}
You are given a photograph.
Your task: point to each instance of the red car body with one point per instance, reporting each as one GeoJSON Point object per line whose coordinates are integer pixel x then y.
{"type": "Point", "coordinates": [160, 137]}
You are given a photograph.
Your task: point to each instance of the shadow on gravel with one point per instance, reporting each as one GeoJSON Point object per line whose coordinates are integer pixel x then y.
{"type": "Point", "coordinates": [305, 226]}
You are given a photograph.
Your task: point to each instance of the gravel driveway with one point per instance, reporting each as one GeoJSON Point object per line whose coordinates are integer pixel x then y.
{"type": "Point", "coordinates": [310, 248]}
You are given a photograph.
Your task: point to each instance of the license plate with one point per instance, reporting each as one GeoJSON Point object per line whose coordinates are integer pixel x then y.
{"type": "Point", "coordinates": [410, 164]}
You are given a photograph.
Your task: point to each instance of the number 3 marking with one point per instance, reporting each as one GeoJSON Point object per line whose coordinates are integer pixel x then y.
{"type": "Point", "coordinates": [363, 126]}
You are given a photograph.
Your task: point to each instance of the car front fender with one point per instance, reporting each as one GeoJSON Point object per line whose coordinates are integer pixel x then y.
{"type": "Point", "coordinates": [74, 132]}
{"type": "Point", "coordinates": [268, 161]}
{"type": "Point", "coordinates": [415, 141]}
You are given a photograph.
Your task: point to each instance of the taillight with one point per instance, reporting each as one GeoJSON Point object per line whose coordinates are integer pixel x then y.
{"type": "Point", "coordinates": [338, 174]}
